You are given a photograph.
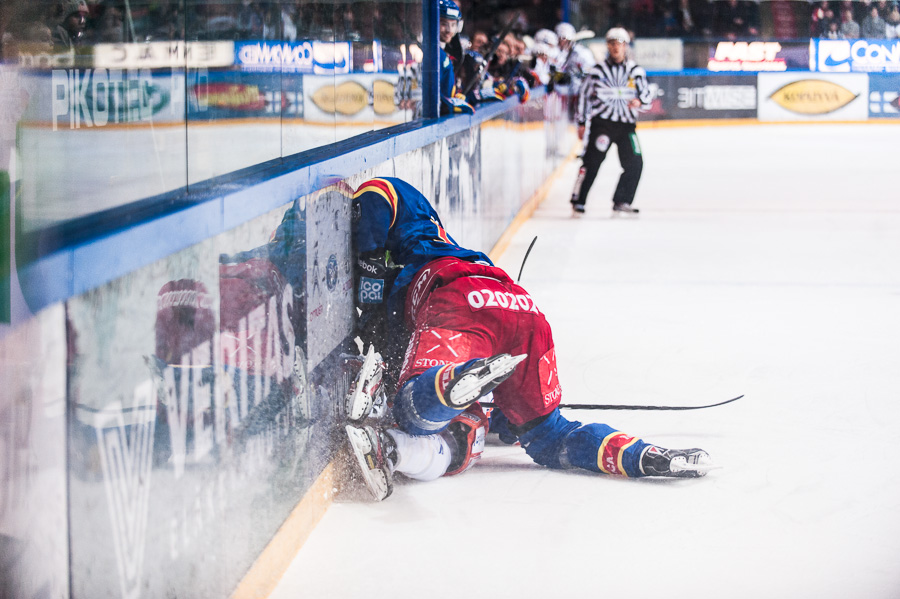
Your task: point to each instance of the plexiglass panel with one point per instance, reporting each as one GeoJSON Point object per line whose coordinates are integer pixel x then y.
{"type": "Point", "coordinates": [99, 117]}
{"type": "Point", "coordinates": [109, 102]}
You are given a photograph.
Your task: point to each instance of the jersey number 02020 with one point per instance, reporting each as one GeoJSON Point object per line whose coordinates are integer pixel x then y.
{"type": "Point", "coordinates": [489, 298]}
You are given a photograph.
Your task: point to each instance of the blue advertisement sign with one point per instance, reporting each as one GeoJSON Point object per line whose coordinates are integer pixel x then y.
{"type": "Point", "coordinates": [856, 56]}
{"type": "Point", "coordinates": [310, 57]}
{"type": "Point", "coordinates": [884, 96]}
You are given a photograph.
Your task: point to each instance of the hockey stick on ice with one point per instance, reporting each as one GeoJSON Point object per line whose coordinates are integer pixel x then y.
{"type": "Point", "coordinates": [591, 406]}
{"type": "Point", "coordinates": [519, 278]}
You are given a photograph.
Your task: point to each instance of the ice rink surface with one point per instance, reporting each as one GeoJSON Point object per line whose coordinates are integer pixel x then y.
{"type": "Point", "coordinates": [766, 261]}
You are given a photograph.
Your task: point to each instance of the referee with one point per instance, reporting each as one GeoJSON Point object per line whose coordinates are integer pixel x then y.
{"type": "Point", "coordinates": [608, 104]}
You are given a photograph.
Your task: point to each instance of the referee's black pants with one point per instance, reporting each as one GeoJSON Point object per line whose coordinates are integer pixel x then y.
{"type": "Point", "coordinates": [601, 135]}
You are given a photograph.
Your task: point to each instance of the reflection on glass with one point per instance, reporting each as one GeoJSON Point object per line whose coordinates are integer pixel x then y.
{"type": "Point", "coordinates": [100, 119]}
{"type": "Point", "coordinates": [108, 102]}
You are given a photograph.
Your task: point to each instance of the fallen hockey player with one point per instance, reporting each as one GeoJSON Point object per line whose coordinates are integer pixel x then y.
{"type": "Point", "coordinates": [469, 332]}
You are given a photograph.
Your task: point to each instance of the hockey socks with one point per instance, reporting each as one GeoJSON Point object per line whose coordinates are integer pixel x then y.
{"type": "Point", "coordinates": [560, 443]}
{"type": "Point", "coordinates": [420, 457]}
{"type": "Point", "coordinates": [601, 448]}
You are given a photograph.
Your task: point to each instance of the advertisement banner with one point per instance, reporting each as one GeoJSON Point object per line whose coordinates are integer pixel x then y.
{"type": "Point", "coordinates": [192, 434]}
{"type": "Point", "coordinates": [329, 297]}
{"type": "Point", "coordinates": [748, 57]}
{"type": "Point", "coordinates": [703, 97]}
{"type": "Point", "coordinates": [164, 55]}
{"type": "Point", "coordinates": [846, 56]}
{"type": "Point", "coordinates": [91, 98]}
{"type": "Point", "coordinates": [232, 94]}
{"type": "Point", "coordinates": [884, 96]}
{"type": "Point", "coordinates": [306, 56]}
{"type": "Point", "coordinates": [353, 98]}
{"type": "Point", "coordinates": [813, 97]}
{"type": "Point", "coordinates": [652, 54]}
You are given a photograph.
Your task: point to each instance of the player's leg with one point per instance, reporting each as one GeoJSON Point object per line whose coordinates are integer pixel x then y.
{"type": "Point", "coordinates": [556, 442]}
{"type": "Point", "coordinates": [382, 451]}
{"type": "Point", "coordinates": [631, 158]}
{"type": "Point", "coordinates": [594, 153]}
{"type": "Point", "coordinates": [530, 399]}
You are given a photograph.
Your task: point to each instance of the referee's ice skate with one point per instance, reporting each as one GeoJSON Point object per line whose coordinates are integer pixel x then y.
{"type": "Point", "coordinates": [625, 210]}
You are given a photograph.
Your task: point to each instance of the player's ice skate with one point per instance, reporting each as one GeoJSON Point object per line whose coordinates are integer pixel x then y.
{"type": "Point", "coordinates": [372, 449]}
{"type": "Point", "coordinates": [626, 210]}
{"type": "Point", "coordinates": [366, 393]}
{"type": "Point", "coordinates": [677, 463]}
{"type": "Point", "coordinates": [480, 378]}
{"type": "Point", "coordinates": [577, 210]}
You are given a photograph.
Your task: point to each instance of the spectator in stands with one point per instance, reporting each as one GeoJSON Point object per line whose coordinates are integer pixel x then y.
{"type": "Point", "coordinates": [111, 24]}
{"type": "Point", "coordinates": [480, 42]}
{"type": "Point", "coordinates": [849, 27]}
{"type": "Point", "coordinates": [516, 45]}
{"type": "Point", "coordinates": [250, 20]}
{"type": "Point", "coordinates": [833, 33]}
{"type": "Point", "coordinates": [72, 23]}
{"type": "Point", "coordinates": [36, 39]}
{"type": "Point", "coordinates": [500, 63]}
{"type": "Point", "coordinates": [873, 26]}
{"type": "Point", "coordinates": [893, 24]}
{"type": "Point", "coordinates": [684, 17]}
{"type": "Point", "coordinates": [818, 19]}
{"type": "Point", "coordinates": [732, 20]}
{"type": "Point", "coordinates": [669, 23]}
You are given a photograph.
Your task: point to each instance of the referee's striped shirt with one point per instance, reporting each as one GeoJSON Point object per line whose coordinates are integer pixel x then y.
{"type": "Point", "coordinates": [608, 88]}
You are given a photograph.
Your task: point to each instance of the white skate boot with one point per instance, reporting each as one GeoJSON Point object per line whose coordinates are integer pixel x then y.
{"type": "Point", "coordinates": [366, 394]}
{"type": "Point", "coordinates": [480, 378]}
{"type": "Point", "coordinates": [374, 451]}
{"type": "Point", "coordinates": [675, 463]}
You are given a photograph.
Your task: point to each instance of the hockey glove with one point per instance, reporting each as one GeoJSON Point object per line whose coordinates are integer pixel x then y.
{"type": "Point", "coordinates": [522, 90]}
{"type": "Point", "coordinates": [458, 105]}
{"type": "Point", "coordinates": [486, 92]}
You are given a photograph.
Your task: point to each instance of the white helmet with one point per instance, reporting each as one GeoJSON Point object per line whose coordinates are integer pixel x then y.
{"type": "Point", "coordinates": [540, 48]}
{"type": "Point", "coordinates": [545, 36]}
{"type": "Point", "coordinates": [618, 34]}
{"type": "Point", "coordinates": [565, 31]}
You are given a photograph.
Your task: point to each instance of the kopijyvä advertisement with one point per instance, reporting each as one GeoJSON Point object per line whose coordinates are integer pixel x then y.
{"type": "Point", "coordinates": [813, 96]}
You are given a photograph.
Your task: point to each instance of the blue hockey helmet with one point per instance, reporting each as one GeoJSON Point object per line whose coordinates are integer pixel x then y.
{"type": "Point", "coordinates": [450, 10]}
